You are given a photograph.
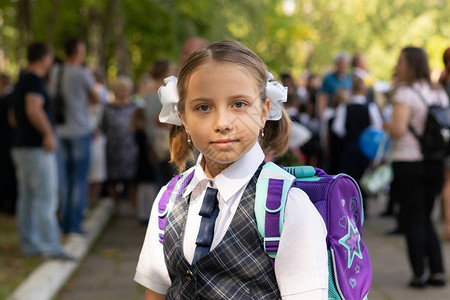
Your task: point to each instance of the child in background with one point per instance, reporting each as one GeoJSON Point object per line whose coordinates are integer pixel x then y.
{"type": "Point", "coordinates": [224, 106]}
{"type": "Point", "coordinates": [333, 143]}
{"type": "Point", "coordinates": [146, 188]}
{"type": "Point", "coordinates": [349, 122]}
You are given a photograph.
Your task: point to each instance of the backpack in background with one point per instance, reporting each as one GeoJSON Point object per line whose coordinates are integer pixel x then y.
{"type": "Point", "coordinates": [59, 104]}
{"type": "Point", "coordinates": [338, 200]}
{"type": "Point", "coordinates": [434, 141]}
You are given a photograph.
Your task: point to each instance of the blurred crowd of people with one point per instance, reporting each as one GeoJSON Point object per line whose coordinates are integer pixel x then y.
{"type": "Point", "coordinates": [68, 137]}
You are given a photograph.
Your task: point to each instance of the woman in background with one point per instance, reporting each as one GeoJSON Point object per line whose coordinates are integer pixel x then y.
{"type": "Point", "coordinates": [121, 150]}
{"type": "Point", "coordinates": [416, 182]}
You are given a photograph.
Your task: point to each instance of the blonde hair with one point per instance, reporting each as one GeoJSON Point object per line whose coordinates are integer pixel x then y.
{"type": "Point", "coordinates": [340, 96]}
{"type": "Point", "coordinates": [276, 133]}
{"type": "Point", "coordinates": [124, 81]}
{"type": "Point", "coordinates": [358, 85]}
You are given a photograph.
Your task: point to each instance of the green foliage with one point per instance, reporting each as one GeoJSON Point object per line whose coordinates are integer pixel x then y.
{"type": "Point", "coordinates": [305, 38]}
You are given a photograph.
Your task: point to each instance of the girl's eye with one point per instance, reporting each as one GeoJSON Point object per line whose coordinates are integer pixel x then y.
{"type": "Point", "coordinates": [239, 104]}
{"type": "Point", "coordinates": [203, 107]}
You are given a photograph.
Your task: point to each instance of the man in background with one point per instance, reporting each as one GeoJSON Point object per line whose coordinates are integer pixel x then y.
{"type": "Point", "coordinates": [336, 80]}
{"type": "Point", "coordinates": [35, 159]}
{"type": "Point", "coordinates": [76, 84]}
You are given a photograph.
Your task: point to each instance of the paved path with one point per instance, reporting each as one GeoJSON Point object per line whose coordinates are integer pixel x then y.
{"type": "Point", "coordinates": [391, 271]}
{"type": "Point", "coordinates": [107, 273]}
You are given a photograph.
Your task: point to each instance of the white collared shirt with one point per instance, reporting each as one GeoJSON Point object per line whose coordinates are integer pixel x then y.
{"type": "Point", "coordinates": [301, 266]}
{"type": "Point", "coordinates": [340, 118]}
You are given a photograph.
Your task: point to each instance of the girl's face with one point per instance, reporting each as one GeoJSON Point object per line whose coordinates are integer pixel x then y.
{"type": "Point", "coordinates": [223, 113]}
{"type": "Point", "coordinates": [401, 69]}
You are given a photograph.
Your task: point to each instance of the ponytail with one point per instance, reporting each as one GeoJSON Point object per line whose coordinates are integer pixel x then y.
{"type": "Point", "coordinates": [277, 135]}
{"type": "Point", "coordinates": [180, 149]}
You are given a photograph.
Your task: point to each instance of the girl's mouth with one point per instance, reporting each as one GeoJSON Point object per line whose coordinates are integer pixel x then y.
{"type": "Point", "coordinates": [224, 144]}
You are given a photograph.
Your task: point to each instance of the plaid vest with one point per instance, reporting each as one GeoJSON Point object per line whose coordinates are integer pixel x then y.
{"type": "Point", "coordinates": [236, 269]}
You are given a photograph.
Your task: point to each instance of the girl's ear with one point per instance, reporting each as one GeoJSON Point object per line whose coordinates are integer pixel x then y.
{"type": "Point", "coordinates": [183, 120]}
{"type": "Point", "coordinates": [265, 110]}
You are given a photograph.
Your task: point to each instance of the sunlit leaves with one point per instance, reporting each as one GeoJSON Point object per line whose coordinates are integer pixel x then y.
{"type": "Point", "coordinates": [289, 35]}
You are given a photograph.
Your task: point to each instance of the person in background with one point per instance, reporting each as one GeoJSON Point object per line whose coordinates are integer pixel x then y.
{"type": "Point", "coordinates": [121, 150]}
{"type": "Point", "coordinates": [190, 46]}
{"type": "Point", "coordinates": [338, 79]}
{"type": "Point", "coordinates": [331, 142]}
{"type": "Point", "coordinates": [349, 122]}
{"type": "Point", "coordinates": [416, 182]}
{"type": "Point", "coordinates": [312, 150]}
{"type": "Point", "coordinates": [34, 156]}
{"type": "Point", "coordinates": [97, 165]}
{"type": "Point", "coordinates": [145, 87]}
{"type": "Point", "coordinates": [445, 82]}
{"type": "Point", "coordinates": [300, 134]}
{"type": "Point", "coordinates": [288, 81]}
{"type": "Point", "coordinates": [146, 187]}
{"type": "Point", "coordinates": [157, 133]}
{"type": "Point", "coordinates": [75, 134]}
{"type": "Point", "coordinates": [312, 90]}
{"type": "Point", "coordinates": [8, 181]}
{"type": "Point", "coordinates": [445, 75]}
{"type": "Point", "coordinates": [361, 70]}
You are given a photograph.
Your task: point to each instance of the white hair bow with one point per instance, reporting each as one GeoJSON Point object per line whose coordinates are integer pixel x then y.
{"type": "Point", "coordinates": [277, 94]}
{"type": "Point", "coordinates": [168, 95]}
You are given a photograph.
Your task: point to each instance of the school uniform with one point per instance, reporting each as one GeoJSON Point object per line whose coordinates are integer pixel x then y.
{"type": "Point", "coordinates": [350, 121]}
{"type": "Point", "coordinates": [236, 266]}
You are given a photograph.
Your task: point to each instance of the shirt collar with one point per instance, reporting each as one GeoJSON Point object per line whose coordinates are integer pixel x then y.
{"type": "Point", "coordinates": [358, 99]}
{"type": "Point", "coordinates": [233, 178]}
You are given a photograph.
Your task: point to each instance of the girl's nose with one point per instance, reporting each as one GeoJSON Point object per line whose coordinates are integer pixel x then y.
{"type": "Point", "coordinates": [224, 121]}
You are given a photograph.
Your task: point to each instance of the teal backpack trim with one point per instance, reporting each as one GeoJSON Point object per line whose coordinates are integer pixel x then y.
{"type": "Point", "coordinates": [262, 186]}
{"type": "Point", "coordinates": [333, 293]}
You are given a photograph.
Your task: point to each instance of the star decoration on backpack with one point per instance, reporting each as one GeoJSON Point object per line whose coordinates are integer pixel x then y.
{"type": "Point", "coordinates": [351, 241]}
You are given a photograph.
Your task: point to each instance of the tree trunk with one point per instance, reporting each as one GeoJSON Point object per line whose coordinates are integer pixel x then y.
{"type": "Point", "coordinates": [109, 19]}
{"type": "Point", "coordinates": [122, 51]}
{"type": "Point", "coordinates": [53, 21]}
{"type": "Point", "coordinates": [24, 27]}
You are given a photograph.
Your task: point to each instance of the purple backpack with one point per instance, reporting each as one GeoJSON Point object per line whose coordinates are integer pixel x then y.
{"type": "Point", "coordinates": [338, 200]}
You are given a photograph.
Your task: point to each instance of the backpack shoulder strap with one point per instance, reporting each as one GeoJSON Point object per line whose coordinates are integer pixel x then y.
{"type": "Point", "coordinates": [272, 189]}
{"type": "Point", "coordinates": [413, 131]}
{"type": "Point", "coordinates": [421, 97]}
{"type": "Point", "coordinates": [173, 191]}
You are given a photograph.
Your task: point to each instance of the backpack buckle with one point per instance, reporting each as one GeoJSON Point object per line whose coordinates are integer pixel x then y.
{"type": "Point", "coordinates": [271, 245]}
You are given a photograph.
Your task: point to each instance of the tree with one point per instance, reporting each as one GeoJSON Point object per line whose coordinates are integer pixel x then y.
{"type": "Point", "coordinates": [125, 36]}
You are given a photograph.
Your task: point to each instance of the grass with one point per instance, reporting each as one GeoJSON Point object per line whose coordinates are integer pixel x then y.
{"type": "Point", "coordinates": [14, 265]}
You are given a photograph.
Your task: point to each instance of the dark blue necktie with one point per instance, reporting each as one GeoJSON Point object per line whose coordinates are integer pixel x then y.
{"type": "Point", "coordinates": [209, 212]}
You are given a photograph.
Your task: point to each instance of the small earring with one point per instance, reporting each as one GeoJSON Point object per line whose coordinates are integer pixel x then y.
{"type": "Point", "coordinates": [262, 132]}
{"type": "Point", "coordinates": [189, 138]}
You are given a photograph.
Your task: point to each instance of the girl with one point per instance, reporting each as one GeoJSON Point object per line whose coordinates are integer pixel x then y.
{"type": "Point", "coordinates": [225, 113]}
{"type": "Point", "coordinates": [416, 182]}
